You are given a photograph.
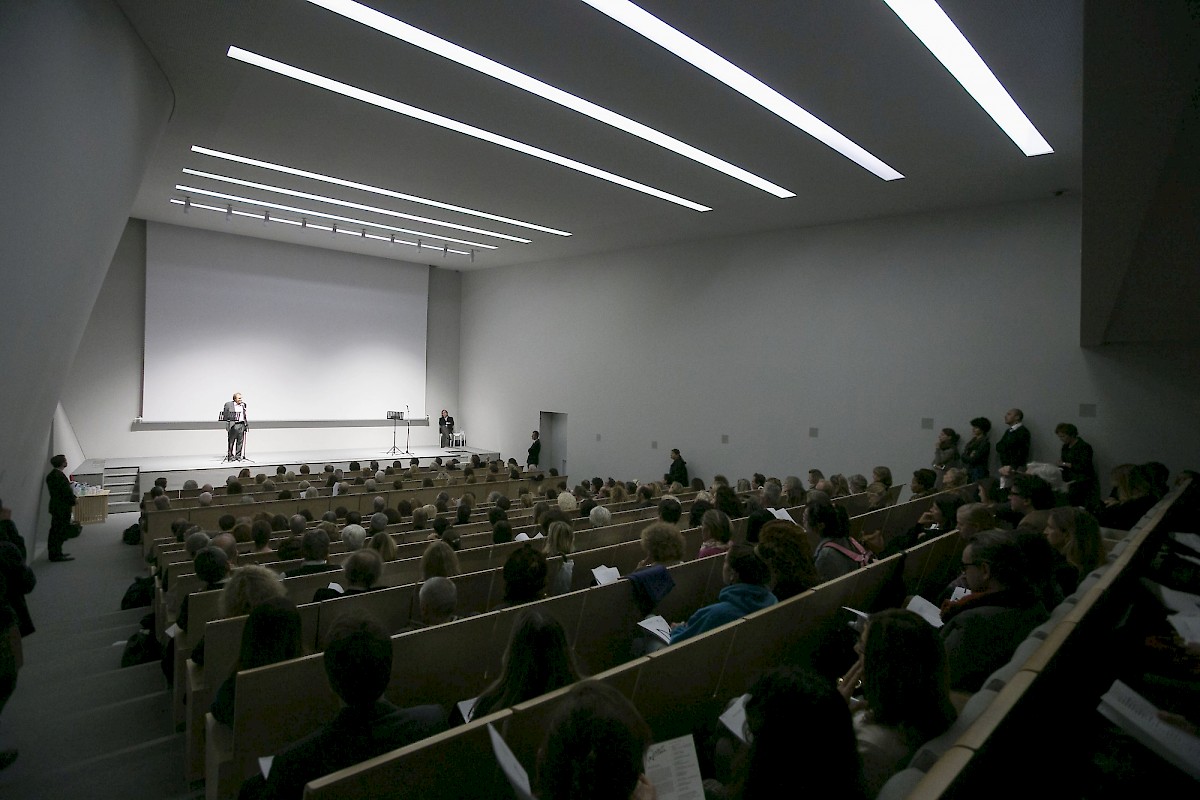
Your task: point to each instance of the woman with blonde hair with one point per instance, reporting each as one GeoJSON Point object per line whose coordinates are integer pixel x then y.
{"type": "Point", "coordinates": [560, 541]}
{"type": "Point", "coordinates": [383, 544]}
{"type": "Point", "coordinates": [246, 588]}
{"type": "Point", "coordinates": [1075, 535]}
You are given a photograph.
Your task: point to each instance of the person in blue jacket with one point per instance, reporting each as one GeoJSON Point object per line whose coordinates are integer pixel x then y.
{"type": "Point", "coordinates": [746, 579]}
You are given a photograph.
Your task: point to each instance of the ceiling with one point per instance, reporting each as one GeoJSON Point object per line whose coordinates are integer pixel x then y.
{"type": "Point", "coordinates": [851, 63]}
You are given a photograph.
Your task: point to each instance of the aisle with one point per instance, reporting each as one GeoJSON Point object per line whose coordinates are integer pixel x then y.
{"type": "Point", "coordinates": [85, 727]}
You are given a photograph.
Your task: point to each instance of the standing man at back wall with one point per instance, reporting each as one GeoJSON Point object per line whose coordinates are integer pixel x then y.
{"type": "Point", "coordinates": [1013, 447]}
{"type": "Point", "coordinates": [61, 501]}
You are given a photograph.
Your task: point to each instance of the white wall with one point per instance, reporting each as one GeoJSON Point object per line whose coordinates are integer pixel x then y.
{"type": "Point", "coordinates": [103, 393]}
{"type": "Point", "coordinates": [859, 330]}
{"type": "Point", "coordinates": [83, 107]}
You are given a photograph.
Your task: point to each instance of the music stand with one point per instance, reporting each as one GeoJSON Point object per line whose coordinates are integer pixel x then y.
{"type": "Point", "coordinates": [395, 416]}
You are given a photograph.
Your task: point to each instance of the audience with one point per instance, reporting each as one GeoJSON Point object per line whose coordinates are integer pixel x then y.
{"type": "Point", "coordinates": [358, 664]}
{"type": "Point", "coordinates": [715, 532]}
{"type": "Point", "coordinates": [538, 660]}
{"type": "Point", "coordinates": [746, 578]}
{"type": "Point", "coordinates": [906, 699]}
{"type": "Point", "coordinates": [982, 629]}
{"type": "Point", "coordinates": [439, 560]}
{"type": "Point", "coordinates": [314, 550]}
{"type": "Point", "coordinates": [662, 545]}
{"type": "Point", "coordinates": [560, 541]}
{"type": "Point", "coordinates": [837, 554]}
{"type": "Point", "coordinates": [438, 601]}
{"type": "Point", "coordinates": [524, 577]}
{"type": "Point", "coordinates": [361, 572]}
{"type": "Point", "coordinates": [1075, 536]}
{"type": "Point", "coordinates": [271, 635]}
{"type": "Point", "coordinates": [784, 547]}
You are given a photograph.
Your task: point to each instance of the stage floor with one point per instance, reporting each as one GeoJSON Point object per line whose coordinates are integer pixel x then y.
{"type": "Point", "coordinates": [212, 468]}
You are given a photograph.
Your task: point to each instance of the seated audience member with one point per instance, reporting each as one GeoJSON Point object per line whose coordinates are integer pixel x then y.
{"type": "Point", "coordinates": [939, 518]}
{"type": "Point", "coordinates": [1075, 536]}
{"type": "Point", "coordinates": [595, 748]}
{"type": "Point", "coordinates": [290, 548]}
{"type": "Point", "coordinates": [954, 478]}
{"type": "Point", "coordinates": [567, 503]}
{"type": "Point", "coordinates": [1041, 561]}
{"type": "Point", "coordinates": [600, 516]}
{"type": "Point", "coordinates": [439, 560]}
{"type": "Point", "coordinates": [772, 495]}
{"type": "Point", "coordinates": [358, 664]}
{"type": "Point", "coordinates": [746, 578]}
{"type": "Point", "coordinates": [361, 572]}
{"type": "Point", "coordinates": [212, 568]}
{"type": "Point", "coordinates": [768, 767]}
{"type": "Point", "coordinates": [420, 518]}
{"type": "Point", "coordinates": [755, 519]}
{"type": "Point", "coordinates": [538, 660]}
{"type": "Point", "coordinates": [815, 476]}
{"type": "Point", "coordinates": [438, 601]}
{"type": "Point", "coordinates": [877, 489]}
{"type": "Point", "coordinates": [669, 510]}
{"type": "Point", "coordinates": [700, 504]}
{"type": "Point", "coordinates": [982, 630]}
{"type": "Point", "coordinates": [226, 522]}
{"type": "Point", "coordinates": [784, 547]}
{"type": "Point", "coordinates": [716, 533]}
{"type": "Point", "coordinates": [793, 491]}
{"type": "Point", "coordinates": [906, 699]}
{"type": "Point", "coordinates": [314, 550]}
{"type": "Point", "coordinates": [1134, 497]}
{"type": "Point", "coordinates": [837, 554]}
{"type": "Point", "coordinates": [204, 499]}
{"type": "Point", "coordinates": [377, 523]}
{"type": "Point", "coordinates": [383, 544]}
{"type": "Point", "coordinates": [462, 514]}
{"type": "Point", "coordinates": [271, 635]}
{"type": "Point", "coordinates": [726, 499]}
{"type": "Point", "coordinates": [524, 577]}
{"type": "Point", "coordinates": [560, 542]}
{"type": "Point", "coordinates": [662, 544]}
{"type": "Point", "coordinates": [502, 532]}
{"type": "Point", "coordinates": [354, 537]}
{"type": "Point", "coordinates": [404, 507]}
{"type": "Point", "coordinates": [923, 481]}
{"type": "Point", "coordinates": [260, 534]}
{"type": "Point", "coordinates": [1028, 493]}
{"type": "Point", "coordinates": [839, 486]}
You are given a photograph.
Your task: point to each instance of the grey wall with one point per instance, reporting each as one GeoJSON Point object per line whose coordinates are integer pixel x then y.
{"type": "Point", "coordinates": [858, 330]}
{"type": "Point", "coordinates": [83, 105]}
{"type": "Point", "coordinates": [102, 395]}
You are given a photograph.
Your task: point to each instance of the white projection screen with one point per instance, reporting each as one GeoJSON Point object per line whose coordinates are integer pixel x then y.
{"type": "Point", "coordinates": [303, 333]}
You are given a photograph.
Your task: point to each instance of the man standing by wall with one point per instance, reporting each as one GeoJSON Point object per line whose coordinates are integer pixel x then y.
{"type": "Point", "coordinates": [61, 501]}
{"type": "Point", "coordinates": [1013, 447]}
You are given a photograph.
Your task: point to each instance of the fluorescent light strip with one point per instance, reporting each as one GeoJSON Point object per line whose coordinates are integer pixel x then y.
{"type": "Point", "coordinates": [316, 176]}
{"type": "Point", "coordinates": [318, 227]}
{"type": "Point", "coordinates": [364, 96]}
{"type": "Point", "coordinates": [325, 215]}
{"type": "Point", "coordinates": [739, 80]}
{"type": "Point", "coordinates": [347, 204]}
{"type": "Point", "coordinates": [433, 44]}
{"type": "Point", "coordinates": [938, 32]}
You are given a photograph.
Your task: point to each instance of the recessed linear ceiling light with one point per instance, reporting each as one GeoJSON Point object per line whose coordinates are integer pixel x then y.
{"type": "Point", "coordinates": [228, 211]}
{"type": "Point", "coordinates": [316, 176]}
{"type": "Point", "coordinates": [347, 204]}
{"type": "Point", "coordinates": [739, 80]}
{"type": "Point", "coordinates": [938, 32]}
{"type": "Point", "coordinates": [324, 215]}
{"type": "Point", "coordinates": [364, 96]}
{"type": "Point", "coordinates": [427, 41]}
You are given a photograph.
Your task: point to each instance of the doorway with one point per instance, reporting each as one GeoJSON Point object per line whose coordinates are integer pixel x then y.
{"type": "Point", "coordinates": [552, 428]}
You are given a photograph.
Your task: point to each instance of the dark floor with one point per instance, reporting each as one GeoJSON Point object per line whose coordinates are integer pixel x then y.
{"type": "Point", "coordinates": [86, 728]}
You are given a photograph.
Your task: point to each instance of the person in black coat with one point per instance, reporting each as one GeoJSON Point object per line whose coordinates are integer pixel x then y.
{"type": "Point", "coordinates": [446, 427]}
{"type": "Point", "coordinates": [358, 663]}
{"type": "Point", "coordinates": [1078, 468]}
{"type": "Point", "coordinates": [977, 452]}
{"type": "Point", "coordinates": [535, 451]}
{"type": "Point", "coordinates": [1013, 447]}
{"type": "Point", "coordinates": [62, 499]}
{"type": "Point", "coordinates": [678, 472]}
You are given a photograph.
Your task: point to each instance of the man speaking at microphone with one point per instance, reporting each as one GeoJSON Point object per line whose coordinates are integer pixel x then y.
{"type": "Point", "coordinates": [235, 426]}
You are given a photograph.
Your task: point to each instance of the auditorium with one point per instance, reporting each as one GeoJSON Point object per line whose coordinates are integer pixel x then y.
{"type": "Point", "coordinates": [539, 217]}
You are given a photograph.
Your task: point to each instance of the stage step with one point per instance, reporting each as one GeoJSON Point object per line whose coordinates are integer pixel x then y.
{"type": "Point", "coordinates": [122, 485]}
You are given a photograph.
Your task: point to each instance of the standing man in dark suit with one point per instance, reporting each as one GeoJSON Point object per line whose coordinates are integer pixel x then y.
{"type": "Point", "coordinates": [535, 452]}
{"type": "Point", "coordinates": [1013, 447]}
{"type": "Point", "coordinates": [446, 427]}
{"type": "Point", "coordinates": [61, 501]}
{"type": "Point", "coordinates": [677, 472]}
{"type": "Point", "coordinates": [234, 414]}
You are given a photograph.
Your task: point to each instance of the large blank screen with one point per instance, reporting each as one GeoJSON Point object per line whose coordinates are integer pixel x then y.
{"type": "Point", "coordinates": [303, 333]}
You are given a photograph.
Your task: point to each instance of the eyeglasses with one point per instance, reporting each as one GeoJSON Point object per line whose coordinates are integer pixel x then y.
{"type": "Point", "coordinates": [966, 564]}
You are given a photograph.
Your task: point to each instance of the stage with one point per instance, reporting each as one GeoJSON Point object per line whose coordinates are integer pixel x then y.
{"type": "Point", "coordinates": [115, 473]}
